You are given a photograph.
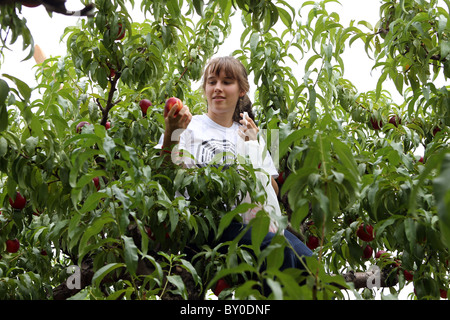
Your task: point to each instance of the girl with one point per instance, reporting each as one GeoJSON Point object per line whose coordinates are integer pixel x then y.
{"type": "Point", "coordinates": [220, 135]}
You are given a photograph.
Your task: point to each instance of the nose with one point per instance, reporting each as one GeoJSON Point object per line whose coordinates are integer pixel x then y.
{"type": "Point", "coordinates": [218, 87]}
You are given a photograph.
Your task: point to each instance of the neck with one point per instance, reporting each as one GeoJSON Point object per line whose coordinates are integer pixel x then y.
{"type": "Point", "coordinates": [225, 120]}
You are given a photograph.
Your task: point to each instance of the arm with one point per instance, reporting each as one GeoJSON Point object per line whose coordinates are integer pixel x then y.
{"type": "Point", "coordinates": [249, 131]}
{"type": "Point", "coordinates": [275, 186]}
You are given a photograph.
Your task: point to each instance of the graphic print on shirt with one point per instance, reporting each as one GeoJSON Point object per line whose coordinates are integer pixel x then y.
{"type": "Point", "coordinates": [217, 151]}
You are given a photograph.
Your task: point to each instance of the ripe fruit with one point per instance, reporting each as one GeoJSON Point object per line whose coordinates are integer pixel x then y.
{"type": "Point", "coordinates": [220, 285]}
{"type": "Point", "coordinates": [281, 177]}
{"type": "Point", "coordinates": [395, 120]}
{"type": "Point", "coordinates": [81, 125]}
{"type": "Point", "coordinates": [144, 104]}
{"type": "Point", "coordinates": [408, 275]}
{"type": "Point", "coordinates": [421, 159]}
{"type": "Point", "coordinates": [365, 233]}
{"type": "Point", "coordinates": [96, 183]}
{"type": "Point", "coordinates": [443, 293]}
{"type": "Point", "coordinates": [313, 242]}
{"type": "Point", "coordinates": [170, 103]}
{"type": "Point", "coordinates": [108, 125]}
{"type": "Point", "coordinates": [121, 32]}
{"type": "Point", "coordinates": [436, 130]}
{"type": "Point", "coordinates": [367, 253]}
{"type": "Point", "coordinates": [376, 125]}
{"type": "Point", "coordinates": [381, 253]}
{"type": "Point", "coordinates": [19, 203]}
{"type": "Point", "coordinates": [12, 246]}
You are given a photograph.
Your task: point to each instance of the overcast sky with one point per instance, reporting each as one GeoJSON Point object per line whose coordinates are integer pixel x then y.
{"type": "Point", "coordinates": [47, 31]}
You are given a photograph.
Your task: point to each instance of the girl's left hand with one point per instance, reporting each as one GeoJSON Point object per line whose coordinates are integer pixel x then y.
{"type": "Point", "coordinates": [248, 130]}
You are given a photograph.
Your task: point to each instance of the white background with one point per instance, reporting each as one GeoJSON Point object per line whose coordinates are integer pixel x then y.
{"type": "Point", "coordinates": [47, 31]}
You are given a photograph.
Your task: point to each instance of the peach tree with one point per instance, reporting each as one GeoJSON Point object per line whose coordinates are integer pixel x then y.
{"type": "Point", "coordinates": [98, 199]}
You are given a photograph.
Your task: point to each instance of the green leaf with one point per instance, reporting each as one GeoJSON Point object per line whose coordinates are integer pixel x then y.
{"type": "Point", "coordinates": [173, 218]}
{"type": "Point", "coordinates": [445, 48]}
{"type": "Point", "coordinates": [260, 227]}
{"type": "Point", "coordinates": [109, 146]}
{"type": "Point", "coordinates": [101, 77]}
{"type": "Point", "coordinates": [254, 40]}
{"type": "Point", "coordinates": [297, 135]}
{"type": "Point", "coordinates": [312, 105]}
{"type": "Point", "coordinates": [198, 5]}
{"type": "Point", "coordinates": [431, 164]}
{"type": "Point", "coordinates": [346, 157]}
{"type": "Point", "coordinates": [4, 91]}
{"type": "Point", "coordinates": [92, 201]}
{"type": "Point", "coordinates": [93, 247]}
{"type": "Point", "coordinates": [24, 89]}
{"type": "Point", "coordinates": [299, 214]}
{"type": "Point", "coordinates": [3, 117]}
{"type": "Point", "coordinates": [180, 288]}
{"type": "Point", "coordinates": [285, 17]}
{"type": "Point", "coordinates": [103, 271]}
{"type": "Point", "coordinates": [410, 232]}
{"type": "Point", "coordinates": [174, 9]}
{"type": "Point", "coordinates": [3, 146]}
{"type": "Point", "coordinates": [189, 267]}
{"type": "Point", "coordinates": [94, 229]}
{"type": "Point", "coordinates": [240, 269]}
{"type": "Point", "coordinates": [227, 218]}
{"type": "Point", "coordinates": [130, 253]}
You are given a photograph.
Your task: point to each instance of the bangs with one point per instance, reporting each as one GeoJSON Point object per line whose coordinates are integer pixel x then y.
{"type": "Point", "coordinates": [227, 64]}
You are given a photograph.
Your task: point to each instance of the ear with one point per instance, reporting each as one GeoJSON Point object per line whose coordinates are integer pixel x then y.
{"type": "Point", "coordinates": [242, 93]}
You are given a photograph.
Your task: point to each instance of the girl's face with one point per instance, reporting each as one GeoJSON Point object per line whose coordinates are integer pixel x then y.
{"type": "Point", "coordinates": [222, 94]}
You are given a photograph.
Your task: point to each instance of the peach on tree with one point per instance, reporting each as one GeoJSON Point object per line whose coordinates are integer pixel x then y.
{"type": "Point", "coordinates": [19, 202]}
{"type": "Point", "coordinates": [367, 252]}
{"type": "Point", "coordinates": [81, 125]}
{"type": "Point", "coordinates": [220, 286]}
{"type": "Point", "coordinates": [408, 275]}
{"type": "Point", "coordinates": [376, 124]}
{"type": "Point", "coordinates": [145, 104]}
{"type": "Point", "coordinates": [313, 242]}
{"type": "Point", "coordinates": [395, 120]}
{"type": "Point", "coordinates": [365, 233]}
{"type": "Point", "coordinates": [12, 245]}
{"type": "Point", "coordinates": [121, 32]}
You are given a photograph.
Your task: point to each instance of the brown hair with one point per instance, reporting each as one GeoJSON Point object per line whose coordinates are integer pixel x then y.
{"type": "Point", "coordinates": [234, 69]}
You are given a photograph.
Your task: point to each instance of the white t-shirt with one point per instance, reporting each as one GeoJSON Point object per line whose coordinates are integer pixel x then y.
{"type": "Point", "coordinates": [207, 142]}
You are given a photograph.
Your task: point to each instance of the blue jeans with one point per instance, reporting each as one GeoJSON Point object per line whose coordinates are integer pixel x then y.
{"type": "Point", "coordinates": [291, 260]}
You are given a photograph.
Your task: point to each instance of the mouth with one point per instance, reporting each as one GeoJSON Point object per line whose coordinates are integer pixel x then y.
{"type": "Point", "coordinates": [218, 98]}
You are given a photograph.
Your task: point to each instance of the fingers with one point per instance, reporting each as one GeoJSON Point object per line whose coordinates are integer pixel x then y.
{"type": "Point", "coordinates": [248, 130]}
{"type": "Point", "coordinates": [247, 121]}
{"type": "Point", "coordinates": [178, 119]}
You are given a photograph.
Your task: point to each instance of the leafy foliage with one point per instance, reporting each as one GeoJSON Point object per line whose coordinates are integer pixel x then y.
{"type": "Point", "coordinates": [352, 156]}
